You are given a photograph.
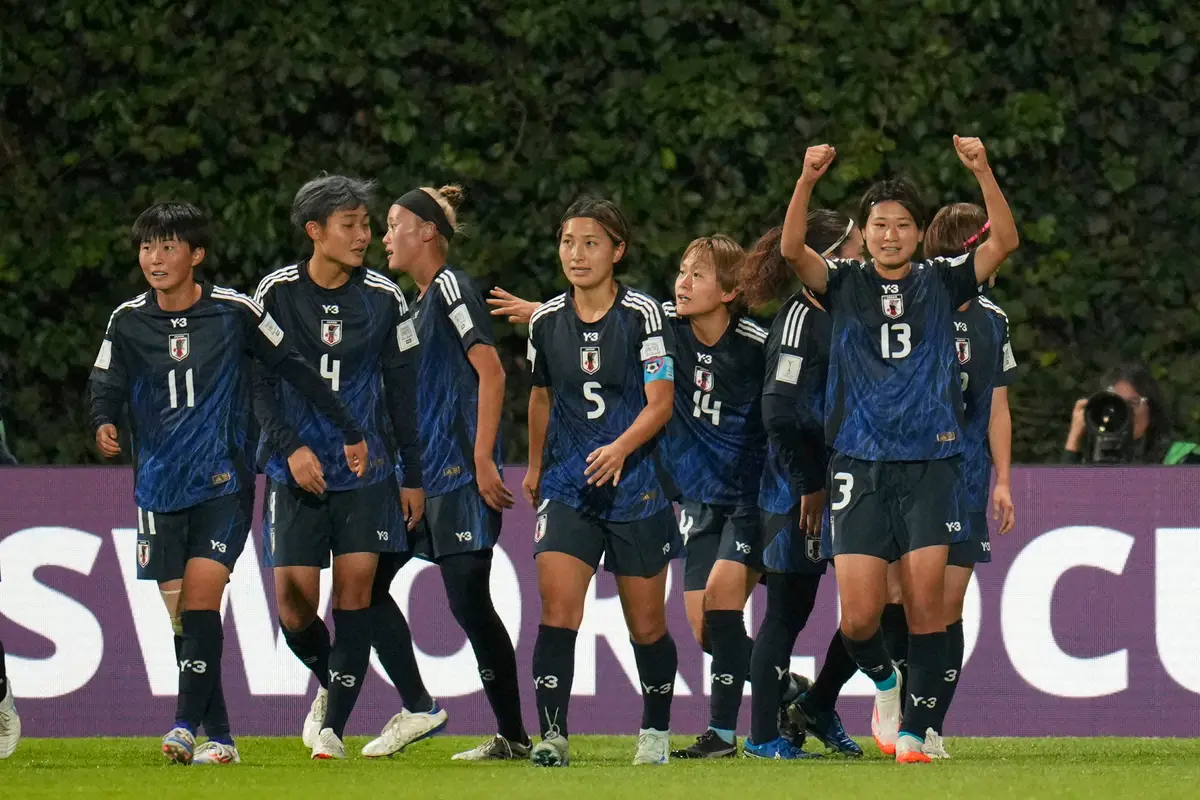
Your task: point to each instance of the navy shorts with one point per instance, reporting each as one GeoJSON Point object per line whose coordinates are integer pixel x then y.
{"type": "Point", "coordinates": [456, 522]}
{"type": "Point", "coordinates": [302, 529]}
{"type": "Point", "coordinates": [976, 547]}
{"type": "Point", "coordinates": [215, 529]}
{"type": "Point", "coordinates": [639, 548]}
{"type": "Point", "coordinates": [714, 533]}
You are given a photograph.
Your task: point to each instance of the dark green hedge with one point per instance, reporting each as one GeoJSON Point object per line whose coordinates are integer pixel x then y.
{"type": "Point", "coordinates": [693, 115]}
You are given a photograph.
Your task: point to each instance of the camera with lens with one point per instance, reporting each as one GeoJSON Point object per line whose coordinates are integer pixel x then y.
{"type": "Point", "coordinates": [1109, 422]}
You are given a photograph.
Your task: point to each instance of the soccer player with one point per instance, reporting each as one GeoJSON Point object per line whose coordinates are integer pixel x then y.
{"type": "Point", "coordinates": [461, 394]}
{"type": "Point", "coordinates": [603, 370]}
{"type": "Point", "coordinates": [713, 453]}
{"type": "Point", "coordinates": [986, 369]}
{"type": "Point", "coordinates": [894, 418]}
{"type": "Point", "coordinates": [177, 355]}
{"type": "Point", "coordinates": [792, 494]}
{"type": "Point", "coordinates": [353, 324]}
{"type": "Point", "coordinates": [10, 723]}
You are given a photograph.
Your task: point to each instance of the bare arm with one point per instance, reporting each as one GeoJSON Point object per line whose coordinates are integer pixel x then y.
{"type": "Point", "coordinates": [807, 262]}
{"type": "Point", "coordinates": [1000, 442]}
{"type": "Point", "coordinates": [539, 420]}
{"type": "Point", "coordinates": [491, 400]}
{"type": "Point", "coordinates": [606, 463]}
{"type": "Point", "coordinates": [1003, 238]}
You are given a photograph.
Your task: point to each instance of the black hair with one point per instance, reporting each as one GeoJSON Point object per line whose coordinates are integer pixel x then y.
{"type": "Point", "coordinates": [895, 190]}
{"type": "Point", "coordinates": [606, 212]}
{"type": "Point", "coordinates": [1157, 438]}
{"type": "Point", "coordinates": [322, 197]}
{"type": "Point", "coordinates": [826, 228]}
{"type": "Point", "coordinates": [182, 221]}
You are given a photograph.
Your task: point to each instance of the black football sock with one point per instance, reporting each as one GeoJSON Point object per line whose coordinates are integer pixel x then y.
{"type": "Point", "coordinates": [894, 625]}
{"type": "Point", "coordinates": [730, 665]}
{"type": "Point", "coordinates": [199, 666]}
{"type": "Point", "coordinates": [926, 664]}
{"type": "Point", "coordinates": [348, 662]}
{"type": "Point", "coordinates": [311, 646]}
{"type": "Point", "coordinates": [951, 674]}
{"type": "Point", "coordinates": [216, 716]}
{"type": "Point", "coordinates": [871, 656]}
{"type": "Point", "coordinates": [768, 660]}
{"type": "Point", "coordinates": [656, 665]}
{"type": "Point", "coordinates": [553, 674]}
{"type": "Point", "coordinates": [467, 578]}
{"type": "Point", "coordinates": [837, 670]}
{"type": "Point", "coordinates": [4, 673]}
{"type": "Point", "coordinates": [392, 640]}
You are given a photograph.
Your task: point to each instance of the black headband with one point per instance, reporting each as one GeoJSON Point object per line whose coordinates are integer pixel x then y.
{"type": "Point", "coordinates": [420, 203]}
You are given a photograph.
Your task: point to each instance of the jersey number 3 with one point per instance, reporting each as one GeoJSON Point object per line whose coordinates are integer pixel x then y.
{"type": "Point", "coordinates": [901, 333]}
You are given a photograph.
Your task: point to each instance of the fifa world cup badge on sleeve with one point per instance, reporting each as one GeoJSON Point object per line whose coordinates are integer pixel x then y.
{"type": "Point", "coordinates": [406, 335]}
{"type": "Point", "coordinates": [654, 347]}
{"type": "Point", "coordinates": [788, 369]}
{"type": "Point", "coordinates": [271, 329]}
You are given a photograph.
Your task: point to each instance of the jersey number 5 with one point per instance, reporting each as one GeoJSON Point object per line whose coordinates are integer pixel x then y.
{"type": "Point", "coordinates": [902, 333]}
{"type": "Point", "coordinates": [331, 370]}
{"type": "Point", "coordinates": [590, 394]}
{"type": "Point", "coordinates": [704, 405]}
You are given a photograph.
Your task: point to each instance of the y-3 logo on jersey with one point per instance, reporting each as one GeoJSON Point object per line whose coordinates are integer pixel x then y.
{"type": "Point", "coordinates": [330, 309]}
{"type": "Point", "coordinates": [961, 327]}
{"type": "Point", "coordinates": [704, 358]}
{"type": "Point", "coordinates": [179, 322]}
{"type": "Point", "coordinates": [591, 336]}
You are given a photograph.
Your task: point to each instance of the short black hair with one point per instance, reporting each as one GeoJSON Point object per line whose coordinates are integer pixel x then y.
{"type": "Point", "coordinates": [895, 190]}
{"type": "Point", "coordinates": [605, 212]}
{"type": "Point", "coordinates": [182, 221]}
{"type": "Point", "coordinates": [826, 228]}
{"type": "Point", "coordinates": [324, 196]}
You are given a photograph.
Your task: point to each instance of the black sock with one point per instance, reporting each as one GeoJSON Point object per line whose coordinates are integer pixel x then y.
{"type": "Point", "coordinates": [837, 670]}
{"type": "Point", "coordinates": [894, 625]}
{"type": "Point", "coordinates": [730, 665]}
{"type": "Point", "coordinates": [311, 646]}
{"type": "Point", "coordinates": [926, 663]}
{"type": "Point", "coordinates": [4, 673]}
{"type": "Point", "coordinates": [656, 665]}
{"type": "Point", "coordinates": [199, 666]}
{"type": "Point", "coordinates": [467, 578]}
{"type": "Point", "coordinates": [870, 655]}
{"type": "Point", "coordinates": [951, 674]}
{"type": "Point", "coordinates": [553, 674]}
{"type": "Point", "coordinates": [347, 664]}
{"type": "Point", "coordinates": [790, 600]}
{"type": "Point", "coordinates": [392, 640]}
{"type": "Point", "coordinates": [216, 716]}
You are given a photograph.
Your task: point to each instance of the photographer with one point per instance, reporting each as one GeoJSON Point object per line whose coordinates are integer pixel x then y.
{"type": "Point", "coordinates": [1124, 423]}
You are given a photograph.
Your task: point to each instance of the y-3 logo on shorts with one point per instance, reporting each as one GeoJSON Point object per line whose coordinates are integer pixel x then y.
{"type": "Point", "coordinates": [465, 536]}
{"type": "Point", "coordinates": [741, 547]}
{"type": "Point", "coordinates": [954, 527]}
{"type": "Point", "coordinates": [218, 546]}
{"type": "Point", "coordinates": [383, 535]}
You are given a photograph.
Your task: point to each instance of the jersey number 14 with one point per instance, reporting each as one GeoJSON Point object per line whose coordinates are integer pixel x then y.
{"type": "Point", "coordinates": [704, 404]}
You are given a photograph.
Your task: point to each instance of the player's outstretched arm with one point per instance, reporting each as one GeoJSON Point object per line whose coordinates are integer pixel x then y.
{"type": "Point", "coordinates": [807, 262]}
{"type": "Point", "coordinates": [1000, 441]}
{"type": "Point", "coordinates": [505, 304]}
{"type": "Point", "coordinates": [400, 393]}
{"type": "Point", "coordinates": [1003, 238]}
{"type": "Point", "coordinates": [539, 420]}
{"type": "Point", "coordinates": [605, 463]}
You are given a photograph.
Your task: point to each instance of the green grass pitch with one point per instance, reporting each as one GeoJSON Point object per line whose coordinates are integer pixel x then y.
{"type": "Point", "coordinates": [981, 768]}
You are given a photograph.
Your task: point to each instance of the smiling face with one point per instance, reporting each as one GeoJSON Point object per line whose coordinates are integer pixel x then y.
{"type": "Point", "coordinates": [587, 253]}
{"type": "Point", "coordinates": [697, 289]}
{"type": "Point", "coordinates": [892, 235]}
{"type": "Point", "coordinates": [168, 263]}
{"type": "Point", "coordinates": [344, 237]}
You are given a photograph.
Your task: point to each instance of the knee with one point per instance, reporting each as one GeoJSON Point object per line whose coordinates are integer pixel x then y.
{"type": "Point", "coordinates": [952, 611]}
{"type": "Point", "coordinates": [557, 613]}
{"type": "Point", "coordinates": [647, 629]}
{"type": "Point", "coordinates": [724, 596]}
{"type": "Point", "coordinates": [352, 596]}
{"type": "Point", "coordinates": [295, 618]}
{"type": "Point", "coordinates": [857, 625]}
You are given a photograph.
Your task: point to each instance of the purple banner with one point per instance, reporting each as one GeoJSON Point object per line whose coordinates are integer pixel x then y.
{"type": "Point", "coordinates": [1085, 623]}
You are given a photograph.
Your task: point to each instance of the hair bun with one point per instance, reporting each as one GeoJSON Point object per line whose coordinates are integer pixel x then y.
{"type": "Point", "coordinates": [452, 194]}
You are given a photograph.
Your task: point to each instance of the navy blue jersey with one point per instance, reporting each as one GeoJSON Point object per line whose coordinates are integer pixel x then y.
{"type": "Point", "coordinates": [595, 372]}
{"type": "Point", "coordinates": [713, 447]}
{"type": "Point", "coordinates": [797, 366]}
{"type": "Point", "coordinates": [451, 319]}
{"type": "Point", "coordinates": [893, 392]}
{"type": "Point", "coordinates": [350, 335]}
{"type": "Point", "coordinates": [986, 362]}
{"type": "Point", "coordinates": [186, 378]}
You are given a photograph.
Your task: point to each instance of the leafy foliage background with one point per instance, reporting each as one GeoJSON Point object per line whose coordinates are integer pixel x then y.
{"type": "Point", "coordinates": [693, 115]}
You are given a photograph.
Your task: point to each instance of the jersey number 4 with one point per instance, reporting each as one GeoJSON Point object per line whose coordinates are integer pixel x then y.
{"type": "Point", "coordinates": [703, 404]}
{"type": "Point", "coordinates": [331, 370]}
{"type": "Point", "coordinates": [189, 389]}
{"type": "Point", "coordinates": [898, 332]}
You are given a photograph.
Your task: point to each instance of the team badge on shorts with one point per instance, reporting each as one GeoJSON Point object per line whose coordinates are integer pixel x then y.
{"type": "Point", "coordinates": [540, 529]}
{"type": "Point", "coordinates": [143, 554]}
{"type": "Point", "coordinates": [179, 345]}
{"type": "Point", "coordinates": [331, 331]}
{"type": "Point", "coordinates": [893, 305]}
{"type": "Point", "coordinates": [963, 348]}
{"type": "Point", "coordinates": [812, 548]}
{"type": "Point", "coordinates": [589, 359]}
{"type": "Point", "coordinates": [704, 379]}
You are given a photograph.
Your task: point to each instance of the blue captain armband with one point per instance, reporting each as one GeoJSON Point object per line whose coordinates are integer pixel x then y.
{"type": "Point", "coordinates": [659, 368]}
